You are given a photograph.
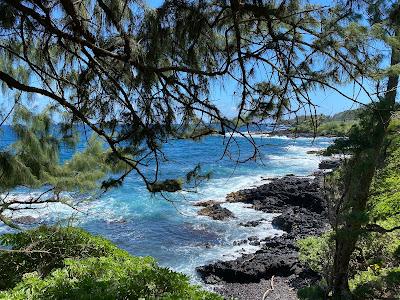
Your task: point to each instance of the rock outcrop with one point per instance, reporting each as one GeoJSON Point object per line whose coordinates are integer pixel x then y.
{"type": "Point", "coordinates": [303, 213]}
{"type": "Point", "coordinates": [216, 212]}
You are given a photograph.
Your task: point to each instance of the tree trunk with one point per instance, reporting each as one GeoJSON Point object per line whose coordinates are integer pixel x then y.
{"type": "Point", "coordinates": [361, 170]}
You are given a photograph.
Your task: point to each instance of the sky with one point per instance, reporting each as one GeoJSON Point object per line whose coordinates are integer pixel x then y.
{"type": "Point", "coordinates": [327, 101]}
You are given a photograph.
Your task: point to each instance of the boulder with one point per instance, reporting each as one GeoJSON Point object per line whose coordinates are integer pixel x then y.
{"type": "Point", "coordinates": [252, 223]}
{"type": "Point", "coordinates": [216, 212]}
{"type": "Point", "coordinates": [25, 220]}
{"type": "Point", "coordinates": [330, 164]}
{"type": "Point", "coordinates": [206, 203]}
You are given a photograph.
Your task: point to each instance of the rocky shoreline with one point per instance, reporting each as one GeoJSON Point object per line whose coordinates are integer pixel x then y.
{"type": "Point", "coordinates": [275, 267]}
{"type": "Point", "coordinates": [298, 134]}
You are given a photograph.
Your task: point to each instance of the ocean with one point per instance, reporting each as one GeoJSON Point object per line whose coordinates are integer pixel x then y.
{"type": "Point", "coordinates": [171, 231]}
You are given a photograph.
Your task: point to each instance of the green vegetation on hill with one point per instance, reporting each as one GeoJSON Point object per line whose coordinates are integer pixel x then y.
{"type": "Point", "coordinates": [347, 115]}
{"type": "Point", "coordinates": [322, 125]}
{"type": "Point", "coordinates": [325, 128]}
{"type": "Point", "coordinates": [69, 263]}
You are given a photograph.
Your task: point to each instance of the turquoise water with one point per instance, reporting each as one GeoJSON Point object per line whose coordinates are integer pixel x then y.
{"type": "Point", "coordinates": [171, 231]}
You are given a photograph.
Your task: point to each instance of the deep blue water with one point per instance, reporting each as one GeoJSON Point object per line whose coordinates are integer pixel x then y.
{"type": "Point", "coordinates": [173, 233]}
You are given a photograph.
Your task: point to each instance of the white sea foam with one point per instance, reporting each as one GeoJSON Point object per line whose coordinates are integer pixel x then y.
{"type": "Point", "coordinates": [116, 208]}
{"type": "Point", "coordinates": [301, 149]}
{"type": "Point", "coordinates": [22, 206]}
{"type": "Point", "coordinates": [232, 231]}
{"type": "Point", "coordinates": [271, 135]}
{"type": "Point", "coordinates": [217, 189]}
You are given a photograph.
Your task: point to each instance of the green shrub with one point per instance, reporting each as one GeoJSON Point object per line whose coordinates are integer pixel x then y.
{"type": "Point", "coordinates": [374, 267]}
{"type": "Point", "coordinates": [69, 263]}
{"type": "Point", "coordinates": [317, 253]}
{"type": "Point", "coordinates": [43, 249]}
{"type": "Point", "coordinates": [311, 293]}
{"type": "Point", "coordinates": [108, 278]}
{"type": "Point", "coordinates": [376, 282]}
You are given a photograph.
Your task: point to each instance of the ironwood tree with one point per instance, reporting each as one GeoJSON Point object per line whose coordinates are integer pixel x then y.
{"type": "Point", "coordinates": [366, 142]}
{"type": "Point", "coordinates": [139, 76]}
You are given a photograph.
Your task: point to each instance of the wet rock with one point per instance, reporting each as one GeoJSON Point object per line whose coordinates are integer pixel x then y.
{"type": "Point", "coordinates": [207, 203]}
{"type": "Point", "coordinates": [282, 193]}
{"type": "Point", "coordinates": [205, 245]}
{"type": "Point", "coordinates": [250, 267]}
{"type": "Point", "coordinates": [255, 243]}
{"type": "Point", "coordinates": [252, 223]}
{"type": "Point", "coordinates": [253, 238]}
{"type": "Point", "coordinates": [239, 242]}
{"type": "Point", "coordinates": [330, 164]}
{"type": "Point", "coordinates": [303, 212]}
{"type": "Point", "coordinates": [216, 212]}
{"type": "Point", "coordinates": [316, 152]}
{"type": "Point", "coordinates": [299, 222]}
{"type": "Point", "coordinates": [27, 220]}
{"type": "Point", "coordinates": [118, 221]}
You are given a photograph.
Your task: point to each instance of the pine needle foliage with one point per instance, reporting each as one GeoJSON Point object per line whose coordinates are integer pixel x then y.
{"type": "Point", "coordinates": [140, 76]}
{"type": "Point", "coordinates": [33, 160]}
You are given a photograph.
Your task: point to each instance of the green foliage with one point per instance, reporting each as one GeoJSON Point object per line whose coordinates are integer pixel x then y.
{"type": "Point", "coordinates": [108, 278]}
{"type": "Point", "coordinates": [378, 273]}
{"type": "Point", "coordinates": [314, 252]}
{"type": "Point", "coordinates": [376, 283]}
{"type": "Point", "coordinates": [376, 249]}
{"type": "Point", "coordinates": [168, 185]}
{"type": "Point", "coordinates": [363, 135]}
{"type": "Point", "coordinates": [384, 203]}
{"type": "Point", "coordinates": [43, 249]}
{"type": "Point", "coordinates": [374, 266]}
{"type": "Point", "coordinates": [311, 293]}
{"type": "Point", "coordinates": [83, 266]}
{"type": "Point", "coordinates": [33, 162]}
{"type": "Point", "coordinates": [325, 128]}
{"type": "Point", "coordinates": [193, 177]}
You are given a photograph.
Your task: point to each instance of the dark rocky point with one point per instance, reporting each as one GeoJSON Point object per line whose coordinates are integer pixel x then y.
{"type": "Point", "coordinates": [303, 213]}
{"type": "Point", "coordinates": [316, 152]}
{"type": "Point", "coordinates": [27, 220]}
{"type": "Point", "coordinates": [331, 164]}
{"type": "Point", "coordinates": [239, 242]}
{"type": "Point", "coordinates": [252, 223]}
{"type": "Point", "coordinates": [216, 212]}
{"type": "Point", "coordinates": [206, 203]}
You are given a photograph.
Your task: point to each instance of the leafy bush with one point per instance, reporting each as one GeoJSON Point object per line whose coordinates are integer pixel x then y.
{"type": "Point", "coordinates": [311, 293]}
{"type": "Point", "coordinates": [384, 203]}
{"type": "Point", "coordinates": [108, 278]}
{"type": "Point", "coordinates": [377, 283]}
{"type": "Point", "coordinates": [69, 263]}
{"type": "Point", "coordinates": [317, 253]}
{"type": "Point", "coordinates": [379, 275]}
{"type": "Point", "coordinates": [43, 249]}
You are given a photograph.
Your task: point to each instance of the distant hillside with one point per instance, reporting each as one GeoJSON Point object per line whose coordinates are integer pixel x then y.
{"type": "Point", "coordinates": [336, 125]}
{"type": "Point", "coordinates": [347, 115]}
